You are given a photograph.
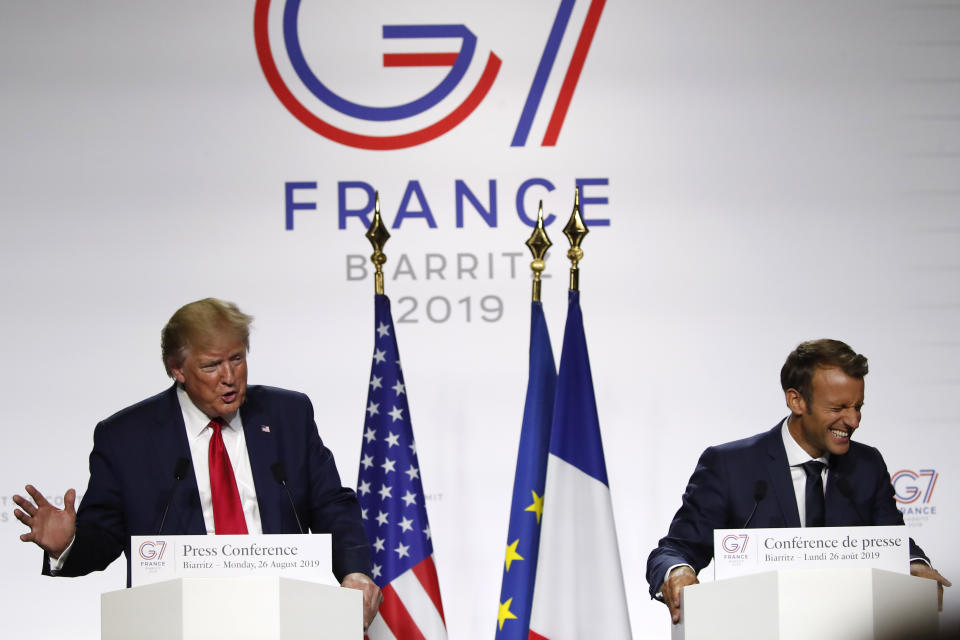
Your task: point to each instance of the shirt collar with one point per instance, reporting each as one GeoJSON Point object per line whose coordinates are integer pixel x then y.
{"type": "Point", "coordinates": [795, 453]}
{"type": "Point", "coordinates": [196, 420]}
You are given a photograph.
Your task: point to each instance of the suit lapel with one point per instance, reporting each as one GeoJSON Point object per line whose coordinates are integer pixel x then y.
{"type": "Point", "coordinates": [839, 510]}
{"type": "Point", "coordinates": [185, 515]}
{"type": "Point", "coordinates": [778, 471]}
{"type": "Point", "coordinates": [262, 449]}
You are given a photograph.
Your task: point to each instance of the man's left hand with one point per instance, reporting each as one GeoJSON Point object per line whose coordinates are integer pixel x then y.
{"type": "Point", "coordinates": [371, 595]}
{"type": "Point", "coordinates": [923, 570]}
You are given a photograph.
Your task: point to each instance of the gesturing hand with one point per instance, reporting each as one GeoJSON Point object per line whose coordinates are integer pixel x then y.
{"type": "Point", "coordinates": [51, 529]}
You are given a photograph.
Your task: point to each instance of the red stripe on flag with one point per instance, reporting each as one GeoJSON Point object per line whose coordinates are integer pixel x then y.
{"type": "Point", "coordinates": [396, 617]}
{"type": "Point", "coordinates": [536, 636]}
{"type": "Point", "coordinates": [573, 73]}
{"type": "Point", "coordinates": [426, 573]}
{"type": "Point", "coordinates": [419, 59]}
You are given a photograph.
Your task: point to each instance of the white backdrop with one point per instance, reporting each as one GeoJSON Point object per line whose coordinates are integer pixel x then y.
{"type": "Point", "coordinates": [774, 171]}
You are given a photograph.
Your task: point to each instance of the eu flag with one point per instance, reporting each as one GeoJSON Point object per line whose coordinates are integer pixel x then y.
{"type": "Point", "coordinates": [523, 535]}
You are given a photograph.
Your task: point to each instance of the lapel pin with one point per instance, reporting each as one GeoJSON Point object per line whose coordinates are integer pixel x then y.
{"type": "Point", "coordinates": [265, 428]}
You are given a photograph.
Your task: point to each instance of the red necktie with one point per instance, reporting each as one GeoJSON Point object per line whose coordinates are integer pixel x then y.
{"type": "Point", "coordinates": [227, 510]}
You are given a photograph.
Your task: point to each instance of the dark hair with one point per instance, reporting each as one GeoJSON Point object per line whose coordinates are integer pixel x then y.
{"type": "Point", "coordinates": [797, 372]}
{"type": "Point", "coordinates": [195, 323]}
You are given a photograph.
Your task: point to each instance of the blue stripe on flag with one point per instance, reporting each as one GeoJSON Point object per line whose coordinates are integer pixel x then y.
{"type": "Point", "coordinates": [576, 428]}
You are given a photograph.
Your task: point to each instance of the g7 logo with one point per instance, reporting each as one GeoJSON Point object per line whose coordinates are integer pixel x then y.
{"type": "Point", "coordinates": [906, 491]}
{"type": "Point", "coordinates": [152, 550]}
{"type": "Point", "coordinates": [457, 61]}
{"type": "Point", "coordinates": [735, 543]}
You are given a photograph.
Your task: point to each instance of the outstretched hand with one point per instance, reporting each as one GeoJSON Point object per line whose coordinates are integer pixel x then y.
{"type": "Point", "coordinates": [51, 529]}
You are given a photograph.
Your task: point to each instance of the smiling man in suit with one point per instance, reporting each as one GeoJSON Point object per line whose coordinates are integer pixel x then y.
{"type": "Point", "coordinates": [208, 455]}
{"type": "Point", "coordinates": [805, 471]}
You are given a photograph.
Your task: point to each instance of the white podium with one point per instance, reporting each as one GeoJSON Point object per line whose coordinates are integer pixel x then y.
{"type": "Point", "coordinates": [799, 604]}
{"type": "Point", "coordinates": [236, 608]}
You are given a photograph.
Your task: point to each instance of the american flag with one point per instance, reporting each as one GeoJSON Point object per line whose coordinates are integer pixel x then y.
{"type": "Point", "coordinates": [392, 500]}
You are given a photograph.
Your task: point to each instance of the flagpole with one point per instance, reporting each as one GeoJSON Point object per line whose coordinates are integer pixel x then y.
{"type": "Point", "coordinates": [538, 243]}
{"type": "Point", "coordinates": [575, 231]}
{"type": "Point", "coordinates": [526, 504]}
{"type": "Point", "coordinates": [378, 235]}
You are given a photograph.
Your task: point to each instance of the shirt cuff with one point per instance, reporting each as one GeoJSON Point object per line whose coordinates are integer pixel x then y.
{"type": "Point", "coordinates": [659, 594]}
{"type": "Point", "coordinates": [57, 564]}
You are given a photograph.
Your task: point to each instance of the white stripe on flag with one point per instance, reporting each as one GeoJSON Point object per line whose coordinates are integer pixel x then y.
{"type": "Point", "coordinates": [419, 605]}
{"type": "Point", "coordinates": [579, 588]}
{"type": "Point", "coordinates": [379, 630]}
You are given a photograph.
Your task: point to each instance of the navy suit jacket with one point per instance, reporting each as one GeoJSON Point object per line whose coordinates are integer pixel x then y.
{"type": "Point", "coordinates": [720, 495]}
{"type": "Point", "coordinates": [135, 455]}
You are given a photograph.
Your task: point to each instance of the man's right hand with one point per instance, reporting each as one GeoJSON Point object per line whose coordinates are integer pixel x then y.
{"type": "Point", "coordinates": [51, 529]}
{"type": "Point", "coordinates": [672, 589]}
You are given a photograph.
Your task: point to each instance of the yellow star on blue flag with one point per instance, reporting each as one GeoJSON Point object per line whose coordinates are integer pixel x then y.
{"type": "Point", "coordinates": [516, 591]}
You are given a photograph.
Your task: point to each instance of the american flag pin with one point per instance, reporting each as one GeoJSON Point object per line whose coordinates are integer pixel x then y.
{"type": "Point", "coordinates": [265, 428]}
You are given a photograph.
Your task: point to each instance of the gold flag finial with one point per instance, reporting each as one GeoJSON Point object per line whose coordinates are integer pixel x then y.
{"type": "Point", "coordinates": [538, 243]}
{"type": "Point", "coordinates": [575, 231]}
{"type": "Point", "coordinates": [378, 235]}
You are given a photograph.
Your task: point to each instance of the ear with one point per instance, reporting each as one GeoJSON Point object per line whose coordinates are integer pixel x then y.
{"type": "Point", "coordinates": [177, 373]}
{"type": "Point", "coordinates": [795, 401]}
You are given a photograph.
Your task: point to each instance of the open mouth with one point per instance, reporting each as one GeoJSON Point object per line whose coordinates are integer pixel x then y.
{"type": "Point", "coordinates": [229, 397]}
{"type": "Point", "coordinates": [841, 434]}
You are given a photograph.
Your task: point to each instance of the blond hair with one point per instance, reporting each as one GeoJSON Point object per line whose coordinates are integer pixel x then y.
{"type": "Point", "coordinates": [194, 325]}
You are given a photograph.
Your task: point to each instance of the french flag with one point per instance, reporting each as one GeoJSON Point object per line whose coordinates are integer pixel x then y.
{"type": "Point", "coordinates": [579, 589]}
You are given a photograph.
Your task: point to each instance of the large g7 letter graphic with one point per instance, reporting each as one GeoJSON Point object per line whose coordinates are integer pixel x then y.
{"type": "Point", "coordinates": [906, 492]}
{"type": "Point", "coordinates": [457, 61]}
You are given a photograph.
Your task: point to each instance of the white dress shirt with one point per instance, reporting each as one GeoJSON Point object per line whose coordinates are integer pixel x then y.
{"type": "Point", "coordinates": [199, 433]}
{"type": "Point", "coordinates": [796, 456]}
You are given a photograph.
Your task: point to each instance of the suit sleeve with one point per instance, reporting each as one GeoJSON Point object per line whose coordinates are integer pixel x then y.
{"type": "Point", "coordinates": [883, 506]}
{"type": "Point", "coordinates": [334, 508]}
{"type": "Point", "coordinates": [101, 528]}
{"type": "Point", "coordinates": [690, 537]}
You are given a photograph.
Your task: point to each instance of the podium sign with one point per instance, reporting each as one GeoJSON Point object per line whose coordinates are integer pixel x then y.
{"type": "Point", "coordinates": [739, 552]}
{"type": "Point", "coordinates": [300, 556]}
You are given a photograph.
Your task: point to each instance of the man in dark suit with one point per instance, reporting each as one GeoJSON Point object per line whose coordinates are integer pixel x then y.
{"type": "Point", "coordinates": [159, 465]}
{"type": "Point", "coordinates": [761, 482]}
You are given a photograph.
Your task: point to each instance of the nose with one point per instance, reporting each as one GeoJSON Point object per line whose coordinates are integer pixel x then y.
{"type": "Point", "coordinates": [227, 375]}
{"type": "Point", "coordinates": [852, 418]}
